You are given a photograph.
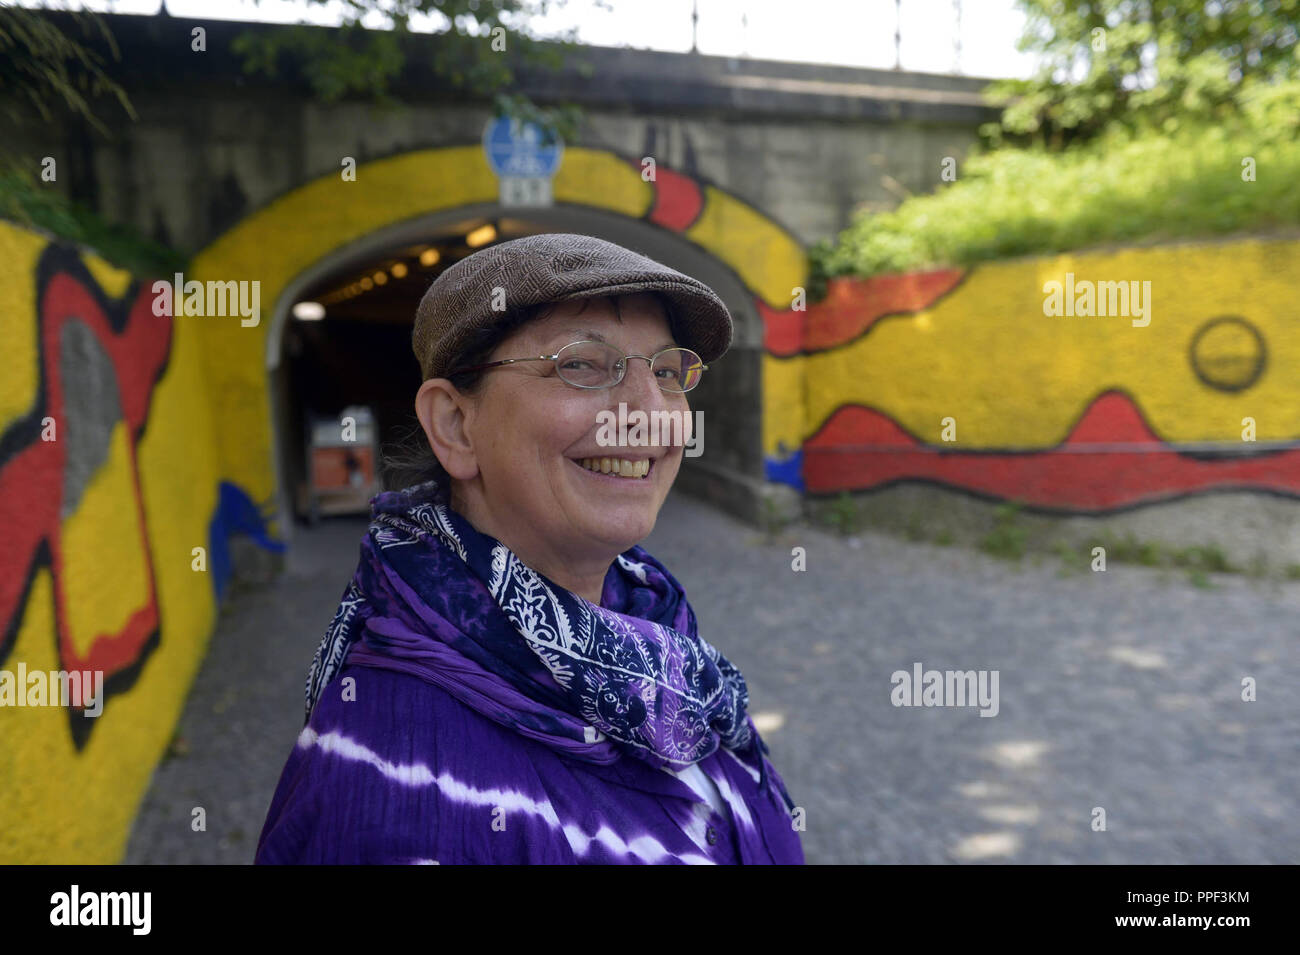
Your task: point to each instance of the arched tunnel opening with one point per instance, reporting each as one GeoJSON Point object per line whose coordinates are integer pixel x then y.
{"type": "Point", "coordinates": [343, 379]}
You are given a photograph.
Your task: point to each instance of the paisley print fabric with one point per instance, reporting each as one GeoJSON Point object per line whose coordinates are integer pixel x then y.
{"type": "Point", "coordinates": [633, 670]}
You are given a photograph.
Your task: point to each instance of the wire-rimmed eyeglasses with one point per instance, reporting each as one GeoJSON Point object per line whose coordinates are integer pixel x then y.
{"type": "Point", "coordinates": [589, 364]}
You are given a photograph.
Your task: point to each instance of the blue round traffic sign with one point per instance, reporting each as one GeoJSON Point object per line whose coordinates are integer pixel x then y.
{"type": "Point", "coordinates": [518, 149]}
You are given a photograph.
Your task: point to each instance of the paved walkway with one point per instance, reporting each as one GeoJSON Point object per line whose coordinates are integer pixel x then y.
{"type": "Point", "coordinates": [1119, 690]}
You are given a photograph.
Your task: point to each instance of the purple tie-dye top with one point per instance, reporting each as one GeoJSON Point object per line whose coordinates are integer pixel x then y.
{"type": "Point", "coordinates": [417, 753]}
{"type": "Point", "coordinates": [407, 774]}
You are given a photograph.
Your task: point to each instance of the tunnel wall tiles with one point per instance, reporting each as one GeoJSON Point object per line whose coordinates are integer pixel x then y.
{"type": "Point", "coordinates": [108, 483]}
{"type": "Point", "coordinates": [1063, 412]}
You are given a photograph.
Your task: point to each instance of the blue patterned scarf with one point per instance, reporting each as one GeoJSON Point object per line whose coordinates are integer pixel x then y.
{"type": "Point", "coordinates": [435, 597]}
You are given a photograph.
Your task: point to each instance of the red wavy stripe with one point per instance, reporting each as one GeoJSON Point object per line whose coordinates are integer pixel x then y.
{"type": "Point", "coordinates": [837, 458]}
{"type": "Point", "coordinates": [782, 331]}
{"type": "Point", "coordinates": [852, 306]}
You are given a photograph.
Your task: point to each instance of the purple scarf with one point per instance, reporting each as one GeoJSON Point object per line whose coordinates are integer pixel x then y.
{"type": "Point", "coordinates": [632, 675]}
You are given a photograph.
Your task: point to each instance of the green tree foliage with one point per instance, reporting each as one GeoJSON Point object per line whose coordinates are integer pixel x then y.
{"type": "Point", "coordinates": [373, 47]}
{"type": "Point", "coordinates": [51, 70]}
{"type": "Point", "coordinates": [45, 69]}
{"type": "Point", "coordinates": [1149, 120]}
{"type": "Point", "coordinates": [1153, 64]}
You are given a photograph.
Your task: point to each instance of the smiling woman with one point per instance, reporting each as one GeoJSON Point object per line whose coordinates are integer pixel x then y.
{"type": "Point", "coordinates": [510, 677]}
{"type": "Point", "coordinates": [515, 451]}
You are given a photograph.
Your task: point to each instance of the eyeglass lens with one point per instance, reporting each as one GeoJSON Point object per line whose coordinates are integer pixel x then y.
{"type": "Point", "coordinates": [597, 365]}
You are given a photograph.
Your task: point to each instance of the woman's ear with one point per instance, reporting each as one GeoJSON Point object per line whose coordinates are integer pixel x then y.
{"type": "Point", "coordinates": [444, 414]}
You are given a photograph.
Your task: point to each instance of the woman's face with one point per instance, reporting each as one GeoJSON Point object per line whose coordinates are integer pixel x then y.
{"type": "Point", "coordinates": [530, 431]}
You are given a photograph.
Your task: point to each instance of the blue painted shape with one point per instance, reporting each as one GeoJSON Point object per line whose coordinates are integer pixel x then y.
{"type": "Point", "coordinates": [520, 149]}
{"type": "Point", "coordinates": [236, 513]}
{"type": "Point", "coordinates": [786, 470]}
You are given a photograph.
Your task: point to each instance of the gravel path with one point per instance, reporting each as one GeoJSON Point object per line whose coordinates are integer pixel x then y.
{"type": "Point", "coordinates": [1119, 690]}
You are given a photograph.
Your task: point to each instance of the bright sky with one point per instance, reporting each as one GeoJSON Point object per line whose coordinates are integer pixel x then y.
{"type": "Point", "coordinates": [848, 33]}
{"type": "Point", "coordinates": [840, 32]}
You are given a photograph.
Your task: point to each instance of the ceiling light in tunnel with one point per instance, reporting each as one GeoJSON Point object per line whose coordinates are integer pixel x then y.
{"type": "Point", "coordinates": [366, 284]}
{"type": "Point", "coordinates": [481, 236]}
{"type": "Point", "coordinates": [399, 270]}
{"type": "Point", "coordinates": [309, 311]}
{"type": "Point", "coordinates": [380, 277]}
{"type": "Point", "coordinates": [429, 257]}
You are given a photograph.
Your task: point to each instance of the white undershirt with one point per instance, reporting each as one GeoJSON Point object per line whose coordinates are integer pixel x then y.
{"type": "Point", "coordinates": [699, 781]}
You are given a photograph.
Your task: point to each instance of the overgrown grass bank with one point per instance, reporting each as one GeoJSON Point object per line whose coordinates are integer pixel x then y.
{"type": "Point", "coordinates": [1119, 189]}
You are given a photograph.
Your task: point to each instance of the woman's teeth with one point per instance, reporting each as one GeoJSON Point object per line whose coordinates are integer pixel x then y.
{"type": "Point", "coordinates": [619, 467]}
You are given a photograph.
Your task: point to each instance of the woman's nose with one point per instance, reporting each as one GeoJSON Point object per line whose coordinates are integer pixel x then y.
{"type": "Point", "coordinates": [640, 391]}
{"type": "Point", "coordinates": [640, 384]}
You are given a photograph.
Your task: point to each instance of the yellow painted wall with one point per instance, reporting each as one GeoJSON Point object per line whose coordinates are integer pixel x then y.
{"type": "Point", "coordinates": [1209, 359]}
{"type": "Point", "coordinates": [117, 559]}
{"type": "Point", "coordinates": [1013, 376]}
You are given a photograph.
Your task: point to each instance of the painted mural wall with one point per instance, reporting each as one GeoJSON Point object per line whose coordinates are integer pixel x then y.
{"type": "Point", "coordinates": [128, 439]}
{"type": "Point", "coordinates": [1029, 380]}
{"type": "Point", "coordinates": [115, 517]}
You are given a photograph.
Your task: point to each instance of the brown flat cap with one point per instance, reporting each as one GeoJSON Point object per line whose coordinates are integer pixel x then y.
{"type": "Point", "coordinates": [554, 267]}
